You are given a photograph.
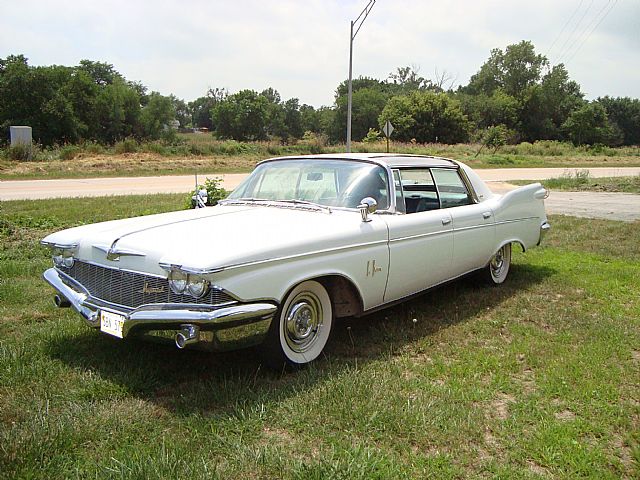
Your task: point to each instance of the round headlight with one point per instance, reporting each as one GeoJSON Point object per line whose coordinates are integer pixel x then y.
{"type": "Point", "coordinates": [177, 282]}
{"type": "Point", "coordinates": [56, 255]}
{"type": "Point", "coordinates": [197, 286]}
{"type": "Point", "coordinates": [67, 262]}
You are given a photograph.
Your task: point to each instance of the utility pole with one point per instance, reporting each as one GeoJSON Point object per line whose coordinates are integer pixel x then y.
{"type": "Point", "coordinates": [357, 23]}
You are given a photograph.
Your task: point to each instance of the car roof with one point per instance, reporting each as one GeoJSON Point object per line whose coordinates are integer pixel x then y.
{"type": "Point", "coordinates": [391, 160]}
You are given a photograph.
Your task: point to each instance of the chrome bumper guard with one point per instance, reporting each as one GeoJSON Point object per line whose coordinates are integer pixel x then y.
{"type": "Point", "coordinates": [544, 228]}
{"type": "Point", "coordinates": [233, 326]}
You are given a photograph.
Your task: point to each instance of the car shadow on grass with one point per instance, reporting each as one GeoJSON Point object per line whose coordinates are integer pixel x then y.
{"type": "Point", "coordinates": [189, 381]}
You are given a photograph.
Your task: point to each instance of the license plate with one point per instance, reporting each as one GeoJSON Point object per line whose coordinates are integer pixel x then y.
{"type": "Point", "coordinates": [111, 323]}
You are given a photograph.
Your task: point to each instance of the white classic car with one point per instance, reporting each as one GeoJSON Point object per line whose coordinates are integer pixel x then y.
{"type": "Point", "coordinates": [301, 242]}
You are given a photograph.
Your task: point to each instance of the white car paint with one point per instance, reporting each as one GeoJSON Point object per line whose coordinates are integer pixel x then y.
{"type": "Point", "coordinates": [260, 252]}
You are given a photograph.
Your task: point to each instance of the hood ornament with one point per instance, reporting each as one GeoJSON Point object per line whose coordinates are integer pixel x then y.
{"type": "Point", "coordinates": [114, 253]}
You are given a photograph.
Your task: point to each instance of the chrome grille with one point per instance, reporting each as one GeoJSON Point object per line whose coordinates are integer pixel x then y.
{"type": "Point", "coordinates": [132, 289]}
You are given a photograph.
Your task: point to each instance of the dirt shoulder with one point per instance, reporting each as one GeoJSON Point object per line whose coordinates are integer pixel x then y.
{"type": "Point", "coordinates": [152, 164]}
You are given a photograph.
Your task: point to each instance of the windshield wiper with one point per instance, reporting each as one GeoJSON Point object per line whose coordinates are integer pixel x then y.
{"type": "Point", "coordinates": [242, 200]}
{"type": "Point", "coordinates": [295, 201]}
{"type": "Point", "coordinates": [266, 201]}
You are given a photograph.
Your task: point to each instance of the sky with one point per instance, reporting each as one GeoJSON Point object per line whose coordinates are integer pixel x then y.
{"type": "Point", "coordinates": [301, 48]}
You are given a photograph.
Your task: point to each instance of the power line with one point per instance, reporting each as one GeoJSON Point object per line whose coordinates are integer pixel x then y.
{"type": "Point", "coordinates": [593, 29]}
{"type": "Point", "coordinates": [563, 28]}
{"type": "Point", "coordinates": [575, 28]}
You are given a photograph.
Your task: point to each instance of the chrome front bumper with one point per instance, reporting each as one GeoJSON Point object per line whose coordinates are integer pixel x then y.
{"type": "Point", "coordinates": [233, 326]}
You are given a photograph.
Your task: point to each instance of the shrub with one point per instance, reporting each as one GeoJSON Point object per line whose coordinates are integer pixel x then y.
{"type": "Point", "coordinates": [373, 136]}
{"type": "Point", "coordinates": [315, 142]}
{"type": "Point", "coordinates": [128, 145]}
{"type": "Point", "coordinates": [274, 149]}
{"type": "Point", "coordinates": [215, 192]}
{"type": "Point", "coordinates": [22, 152]}
{"type": "Point", "coordinates": [155, 147]}
{"type": "Point", "coordinates": [69, 152]}
{"type": "Point", "coordinates": [93, 147]}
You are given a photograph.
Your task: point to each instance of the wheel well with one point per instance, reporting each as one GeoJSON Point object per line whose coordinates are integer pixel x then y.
{"type": "Point", "coordinates": [344, 295]}
{"type": "Point", "coordinates": [516, 242]}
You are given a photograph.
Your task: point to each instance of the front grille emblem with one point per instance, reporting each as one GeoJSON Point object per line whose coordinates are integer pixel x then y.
{"type": "Point", "coordinates": [149, 289]}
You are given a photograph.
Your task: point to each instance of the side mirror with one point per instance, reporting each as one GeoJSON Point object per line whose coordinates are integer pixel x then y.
{"type": "Point", "coordinates": [367, 205]}
{"type": "Point", "coordinates": [200, 198]}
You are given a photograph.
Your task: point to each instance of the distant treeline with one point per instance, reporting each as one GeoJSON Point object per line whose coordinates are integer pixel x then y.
{"type": "Point", "coordinates": [515, 96]}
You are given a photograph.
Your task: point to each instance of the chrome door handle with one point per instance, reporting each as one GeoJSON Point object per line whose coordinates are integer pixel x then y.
{"type": "Point", "coordinates": [486, 215]}
{"type": "Point", "coordinates": [446, 221]}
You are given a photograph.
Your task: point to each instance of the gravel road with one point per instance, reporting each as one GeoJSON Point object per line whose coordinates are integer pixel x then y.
{"type": "Point", "coordinates": [614, 206]}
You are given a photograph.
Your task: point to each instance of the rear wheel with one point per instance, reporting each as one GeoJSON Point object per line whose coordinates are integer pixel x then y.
{"type": "Point", "coordinates": [498, 269]}
{"type": "Point", "coordinates": [301, 328]}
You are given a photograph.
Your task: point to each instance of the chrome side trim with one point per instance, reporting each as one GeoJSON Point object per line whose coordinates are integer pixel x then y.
{"type": "Point", "coordinates": [420, 235]}
{"type": "Point", "coordinates": [515, 220]}
{"type": "Point", "coordinates": [206, 271]}
{"type": "Point", "coordinates": [472, 227]}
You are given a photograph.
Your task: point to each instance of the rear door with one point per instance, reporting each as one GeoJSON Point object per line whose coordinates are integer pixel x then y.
{"type": "Point", "coordinates": [420, 241]}
{"type": "Point", "coordinates": [473, 223]}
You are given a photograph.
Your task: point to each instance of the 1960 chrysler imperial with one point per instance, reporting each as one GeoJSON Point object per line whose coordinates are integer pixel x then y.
{"type": "Point", "coordinates": [301, 242]}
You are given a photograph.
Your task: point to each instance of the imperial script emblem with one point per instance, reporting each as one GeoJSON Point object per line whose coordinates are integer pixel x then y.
{"type": "Point", "coordinates": [148, 289]}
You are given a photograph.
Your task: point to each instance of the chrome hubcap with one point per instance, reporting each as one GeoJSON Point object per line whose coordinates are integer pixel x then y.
{"type": "Point", "coordinates": [497, 263]}
{"type": "Point", "coordinates": [303, 322]}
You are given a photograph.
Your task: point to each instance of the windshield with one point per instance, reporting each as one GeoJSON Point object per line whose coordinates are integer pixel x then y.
{"type": "Point", "coordinates": [333, 183]}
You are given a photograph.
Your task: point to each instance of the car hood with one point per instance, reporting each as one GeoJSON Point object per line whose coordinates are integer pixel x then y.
{"type": "Point", "coordinates": [218, 237]}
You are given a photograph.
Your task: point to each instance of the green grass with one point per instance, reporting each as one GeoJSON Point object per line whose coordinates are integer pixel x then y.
{"type": "Point", "coordinates": [537, 378]}
{"type": "Point", "coordinates": [582, 182]}
{"type": "Point", "coordinates": [207, 155]}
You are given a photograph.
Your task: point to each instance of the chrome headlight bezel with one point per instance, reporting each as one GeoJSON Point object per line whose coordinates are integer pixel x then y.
{"type": "Point", "coordinates": [63, 256]}
{"type": "Point", "coordinates": [197, 286]}
{"type": "Point", "coordinates": [177, 281]}
{"type": "Point", "coordinates": [183, 283]}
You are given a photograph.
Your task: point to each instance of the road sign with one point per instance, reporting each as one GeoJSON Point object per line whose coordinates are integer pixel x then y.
{"type": "Point", "coordinates": [387, 129]}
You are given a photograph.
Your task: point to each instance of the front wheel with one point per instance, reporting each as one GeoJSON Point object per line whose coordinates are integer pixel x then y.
{"type": "Point", "coordinates": [301, 328]}
{"type": "Point", "coordinates": [498, 269]}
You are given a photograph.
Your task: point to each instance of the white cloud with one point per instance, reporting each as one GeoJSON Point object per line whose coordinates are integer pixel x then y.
{"type": "Point", "coordinates": [301, 48]}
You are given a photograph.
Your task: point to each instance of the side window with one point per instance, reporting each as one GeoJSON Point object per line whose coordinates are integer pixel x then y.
{"type": "Point", "coordinates": [418, 190]}
{"type": "Point", "coordinates": [399, 196]}
{"type": "Point", "coordinates": [452, 190]}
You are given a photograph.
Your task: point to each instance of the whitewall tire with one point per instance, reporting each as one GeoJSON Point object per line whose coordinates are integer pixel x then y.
{"type": "Point", "coordinates": [498, 268]}
{"type": "Point", "coordinates": [301, 328]}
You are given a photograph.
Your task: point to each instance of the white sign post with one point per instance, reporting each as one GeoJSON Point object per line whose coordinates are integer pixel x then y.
{"type": "Point", "coordinates": [387, 130]}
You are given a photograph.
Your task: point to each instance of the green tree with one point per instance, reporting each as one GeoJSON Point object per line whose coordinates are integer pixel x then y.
{"type": "Point", "coordinates": [545, 107]}
{"type": "Point", "coordinates": [426, 116]}
{"type": "Point", "coordinates": [512, 70]}
{"type": "Point", "coordinates": [101, 73]}
{"type": "Point", "coordinates": [241, 116]}
{"type": "Point", "coordinates": [590, 125]}
{"type": "Point", "coordinates": [310, 119]}
{"type": "Point", "coordinates": [625, 113]}
{"type": "Point", "coordinates": [485, 111]}
{"type": "Point", "coordinates": [201, 108]}
{"type": "Point", "coordinates": [157, 115]}
{"type": "Point", "coordinates": [293, 118]}
{"type": "Point", "coordinates": [367, 105]}
{"type": "Point", "coordinates": [182, 113]}
{"type": "Point", "coordinates": [117, 111]}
